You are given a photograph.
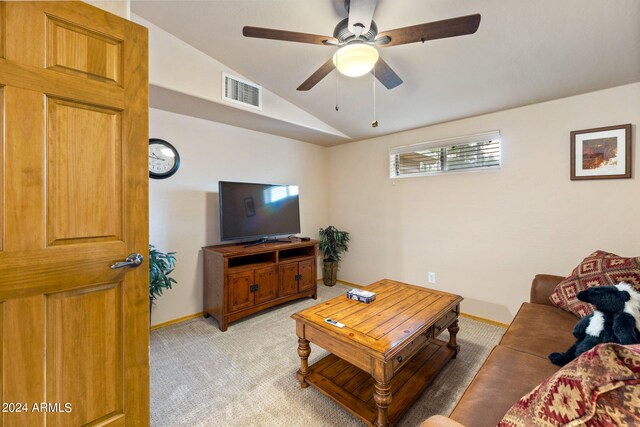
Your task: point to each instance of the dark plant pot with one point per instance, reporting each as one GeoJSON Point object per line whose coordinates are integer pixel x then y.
{"type": "Point", "coordinates": [330, 273]}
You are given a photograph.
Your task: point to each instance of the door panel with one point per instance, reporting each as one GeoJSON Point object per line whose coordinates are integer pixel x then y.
{"type": "Point", "coordinates": [267, 284]}
{"type": "Point", "coordinates": [83, 341]}
{"type": "Point", "coordinates": [73, 200]}
{"type": "Point", "coordinates": [306, 271]}
{"type": "Point", "coordinates": [23, 354]}
{"type": "Point", "coordinates": [95, 22]}
{"type": "Point", "coordinates": [240, 290]}
{"type": "Point", "coordinates": [84, 158]}
{"type": "Point", "coordinates": [2, 335]}
{"type": "Point", "coordinates": [78, 51]}
{"type": "Point", "coordinates": [2, 149]}
{"type": "Point", "coordinates": [16, 38]}
{"type": "Point", "coordinates": [2, 36]}
{"type": "Point", "coordinates": [24, 169]}
{"type": "Point", "coordinates": [287, 278]}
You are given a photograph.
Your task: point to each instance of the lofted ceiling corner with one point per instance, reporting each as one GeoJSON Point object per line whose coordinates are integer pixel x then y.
{"type": "Point", "coordinates": [182, 80]}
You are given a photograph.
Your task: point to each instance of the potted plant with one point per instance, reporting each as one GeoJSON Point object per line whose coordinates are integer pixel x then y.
{"type": "Point", "coordinates": [333, 243]}
{"type": "Point", "coordinates": [160, 266]}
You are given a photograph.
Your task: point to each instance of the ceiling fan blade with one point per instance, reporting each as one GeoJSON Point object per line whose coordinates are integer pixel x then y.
{"type": "Point", "coordinates": [320, 74]}
{"type": "Point", "coordinates": [433, 30]}
{"type": "Point", "coordinates": [331, 42]}
{"type": "Point", "coordinates": [360, 15]}
{"type": "Point", "coordinates": [288, 36]}
{"type": "Point", "coordinates": [386, 75]}
{"type": "Point", "coordinates": [383, 40]}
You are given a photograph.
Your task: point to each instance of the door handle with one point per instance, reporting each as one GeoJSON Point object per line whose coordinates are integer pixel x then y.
{"type": "Point", "coordinates": [132, 260]}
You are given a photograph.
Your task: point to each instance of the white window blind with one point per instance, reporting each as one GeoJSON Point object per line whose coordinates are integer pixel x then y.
{"type": "Point", "coordinates": [466, 153]}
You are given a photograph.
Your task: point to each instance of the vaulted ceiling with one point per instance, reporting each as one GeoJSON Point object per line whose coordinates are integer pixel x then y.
{"type": "Point", "coordinates": [524, 52]}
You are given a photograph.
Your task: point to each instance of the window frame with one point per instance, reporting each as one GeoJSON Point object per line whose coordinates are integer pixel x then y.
{"type": "Point", "coordinates": [441, 147]}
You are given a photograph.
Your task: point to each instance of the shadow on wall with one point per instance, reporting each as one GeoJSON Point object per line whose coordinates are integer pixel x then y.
{"type": "Point", "coordinates": [179, 217]}
{"type": "Point", "coordinates": [183, 221]}
{"type": "Point", "coordinates": [197, 274]}
{"type": "Point", "coordinates": [212, 219]}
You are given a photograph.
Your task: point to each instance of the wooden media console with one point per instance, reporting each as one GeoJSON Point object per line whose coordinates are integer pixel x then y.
{"type": "Point", "coordinates": [240, 281]}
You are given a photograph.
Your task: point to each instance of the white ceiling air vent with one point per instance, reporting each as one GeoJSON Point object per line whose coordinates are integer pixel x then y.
{"type": "Point", "coordinates": [241, 92]}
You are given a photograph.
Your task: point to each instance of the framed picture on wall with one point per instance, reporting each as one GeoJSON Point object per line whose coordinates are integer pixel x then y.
{"type": "Point", "coordinates": [601, 153]}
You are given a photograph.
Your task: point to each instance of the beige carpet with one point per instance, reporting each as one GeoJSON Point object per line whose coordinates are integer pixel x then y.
{"type": "Point", "coordinates": [245, 376]}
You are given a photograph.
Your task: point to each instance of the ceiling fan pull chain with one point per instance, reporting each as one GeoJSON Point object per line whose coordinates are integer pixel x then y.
{"type": "Point", "coordinates": [374, 123]}
{"type": "Point", "coordinates": [337, 107]}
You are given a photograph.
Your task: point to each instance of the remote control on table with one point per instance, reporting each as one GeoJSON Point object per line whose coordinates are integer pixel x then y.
{"type": "Point", "coordinates": [334, 323]}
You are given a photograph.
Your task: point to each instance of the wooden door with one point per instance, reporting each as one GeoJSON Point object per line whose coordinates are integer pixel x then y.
{"type": "Point", "coordinates": [306, 271]}
{"type": "Point", "coordinates": [287, 278]}
{"type": "Point", "coordinates": [267, 290]}
{"type": "Point", "coordinates": [74, 333]}
{"type": "Point", "coordinates": [240, 293]}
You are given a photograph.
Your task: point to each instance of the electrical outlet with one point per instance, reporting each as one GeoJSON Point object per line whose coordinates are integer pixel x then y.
{"type": "Point", "coordinates": [432, 277]}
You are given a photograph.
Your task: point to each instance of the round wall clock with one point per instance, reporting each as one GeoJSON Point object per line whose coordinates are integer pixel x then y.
{"type": "Point", "coordinates": [164, 159]}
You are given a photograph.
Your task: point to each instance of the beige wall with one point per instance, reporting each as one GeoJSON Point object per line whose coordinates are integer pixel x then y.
{"type": "Point", "coordinates": [486, 234]}
{"type": "Point", "coordinates": [118, 7]}
{"type": "Point", "coordinates": [184, 208]}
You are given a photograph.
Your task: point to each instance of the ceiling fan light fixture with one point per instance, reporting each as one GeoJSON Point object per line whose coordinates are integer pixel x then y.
{"type": "Point", "coordinates": [355, 59]}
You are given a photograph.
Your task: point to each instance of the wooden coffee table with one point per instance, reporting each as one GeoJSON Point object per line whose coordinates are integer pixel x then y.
{"type": "Point", "coordinates": [387, 348]}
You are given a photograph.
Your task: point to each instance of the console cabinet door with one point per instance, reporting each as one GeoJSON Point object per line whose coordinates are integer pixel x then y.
{"type": "Point", "coordinates": [307, 277]}
{"type": "Point", "coordinates": [240, 295]}
{"type": "Point", "coordinates": [267, 285]}
{"type": "Point", "coordinates": [287, 277]}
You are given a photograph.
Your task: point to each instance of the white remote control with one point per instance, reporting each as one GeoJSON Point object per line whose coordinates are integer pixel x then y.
{"type": "Point", "coordinates": [334, 323]}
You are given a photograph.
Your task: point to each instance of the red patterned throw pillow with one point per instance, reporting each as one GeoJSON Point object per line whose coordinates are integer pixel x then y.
{"type": "Point", "coordinates": [599, 388]}
{"type": "Point", "coordinates": [598, 269]}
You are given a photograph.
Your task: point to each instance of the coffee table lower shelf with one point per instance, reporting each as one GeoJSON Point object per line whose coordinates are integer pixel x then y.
{"type": "Point", "coordinates": [353, 388]}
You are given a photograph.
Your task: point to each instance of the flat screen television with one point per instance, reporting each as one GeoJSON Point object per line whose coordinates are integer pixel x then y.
{"type": "Point", "coordinates": [257, 211]}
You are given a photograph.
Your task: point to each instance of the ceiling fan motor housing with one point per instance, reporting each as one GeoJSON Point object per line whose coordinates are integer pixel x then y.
{"type": "Point", "coordinates": [344, 36]}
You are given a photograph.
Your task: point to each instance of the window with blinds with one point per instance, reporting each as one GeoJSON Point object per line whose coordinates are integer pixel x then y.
{"type": "Point", "coordinates": [467, 153]}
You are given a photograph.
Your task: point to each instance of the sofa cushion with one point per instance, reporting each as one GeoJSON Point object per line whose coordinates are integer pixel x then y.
{"type": "Point", "coordinates": [600, 388]}
{"type": "Point", "coordinates": [598, 269]}
{"type": "Point", "coordinates": [542, 287]}
{"type": "Point", "coordinates": [540, 329]}
{"type": "Point", "coordinates": [506, 375]}
{"type": "Point", "coordinates": [439, 421]}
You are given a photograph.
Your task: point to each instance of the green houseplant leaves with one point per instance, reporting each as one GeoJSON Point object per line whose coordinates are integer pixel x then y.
{"type": "Point", "coordinates": [333, 243]}
{"type": "Point", "coordinates": [160, 266]}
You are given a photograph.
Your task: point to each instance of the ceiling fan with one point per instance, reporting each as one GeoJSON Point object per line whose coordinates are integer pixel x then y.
{"type": "Point", "coordinates": [357, 36]}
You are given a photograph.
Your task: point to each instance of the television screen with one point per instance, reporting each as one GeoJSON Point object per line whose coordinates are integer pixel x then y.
{"type": "Point", "coordinates": [257, 210]}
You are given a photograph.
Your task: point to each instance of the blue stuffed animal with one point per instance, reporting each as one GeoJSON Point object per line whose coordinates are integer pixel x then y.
{"type": "Point", "coordinates": [616, 319]}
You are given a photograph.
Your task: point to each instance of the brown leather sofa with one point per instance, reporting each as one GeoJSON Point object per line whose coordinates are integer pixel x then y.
{"type": "Point", "coordinates": [518, 363]}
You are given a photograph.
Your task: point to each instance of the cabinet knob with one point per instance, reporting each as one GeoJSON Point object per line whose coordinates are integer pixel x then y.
{"type": "Point", "coordinates": [399, 359]}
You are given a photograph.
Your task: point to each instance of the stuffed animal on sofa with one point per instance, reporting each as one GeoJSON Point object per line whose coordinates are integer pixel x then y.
{"type": "Point", "coordinates": [616, 319]}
